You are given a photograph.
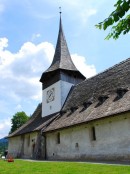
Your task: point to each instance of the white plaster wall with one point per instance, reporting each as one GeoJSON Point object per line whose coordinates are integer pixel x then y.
{"type": "Point", "coordinates": [112, 141]}
{"type": "Point", "coordinates": [65, 89]}
{"type": "Point", "coordinates": [15, 145]}
{"type": "Point", "coordinates": [61, 91]}
{"type": "Point", "coordinates": [28, 146]}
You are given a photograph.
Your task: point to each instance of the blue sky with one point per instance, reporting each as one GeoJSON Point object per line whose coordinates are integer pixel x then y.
{"type": "Point", "coordinates": [28, 34]}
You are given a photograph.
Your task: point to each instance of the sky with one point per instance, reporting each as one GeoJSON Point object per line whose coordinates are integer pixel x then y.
{"type": "Point", "coordinates": [28, 35]}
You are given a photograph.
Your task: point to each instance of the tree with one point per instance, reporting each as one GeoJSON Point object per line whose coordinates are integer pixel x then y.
{"type": "Point", "coordinates": [119, 18]}
{"type": "Point", "coordinates": [18, 120]}
{"type": "Point", "coordinates": [3, 146]}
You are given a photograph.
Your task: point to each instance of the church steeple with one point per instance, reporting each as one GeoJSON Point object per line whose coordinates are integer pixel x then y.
{"type": "Point", "coordinates": [62, 60]}
{"type": "Point", "coordinates": [58, 79]}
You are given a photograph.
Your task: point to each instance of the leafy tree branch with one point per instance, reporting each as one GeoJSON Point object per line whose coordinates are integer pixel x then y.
{"type": "Point", "coordinates": [118, 19]}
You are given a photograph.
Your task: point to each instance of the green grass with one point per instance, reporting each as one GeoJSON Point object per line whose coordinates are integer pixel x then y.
{"type": "Point", "coordinates": [28, 167]}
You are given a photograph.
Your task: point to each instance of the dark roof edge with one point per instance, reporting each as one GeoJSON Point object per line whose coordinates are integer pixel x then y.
{"type": "Point", "coordinates": [81, 123]}
{"type": "Point", "coordinates": [31, 119]}
{"type": "Point", "coordinates": [22, 134]}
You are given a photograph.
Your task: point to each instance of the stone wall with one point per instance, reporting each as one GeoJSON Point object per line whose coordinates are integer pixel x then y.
{"type": "Point", "coordinates": [77, 143]}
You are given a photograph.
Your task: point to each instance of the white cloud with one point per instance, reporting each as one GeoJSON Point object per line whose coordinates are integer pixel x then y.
{"type": "Point", "coordinates": [82, 66]}
{"type": "Point", "coordinates": [6, 56]}
{"type": "Point", "coordinates": [1, 8]}
{"type": "Point", "coordinates": [86, 13]}
{"type": "Point", "coordinates": [4, 107]}
{"type": "Point", "coordinates": [20, 72]}
{"type": "Point", "coordinates": [5, 126]}
{"type": "Point", "coordinates": [4, 123]}
{"type": "Point", "coordinates": [3, 43]}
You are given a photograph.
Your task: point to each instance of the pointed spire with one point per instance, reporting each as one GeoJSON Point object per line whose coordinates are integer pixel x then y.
{"type": "Point", "coordinates": [62, 59]}
{"type": "Point", "coordinates": [60, 11]}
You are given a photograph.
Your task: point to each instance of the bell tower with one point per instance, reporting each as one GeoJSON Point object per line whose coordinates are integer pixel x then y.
{"type": "Point", "coordinates": [58, 79]}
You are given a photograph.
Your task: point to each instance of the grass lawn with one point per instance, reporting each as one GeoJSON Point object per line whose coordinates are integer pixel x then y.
{"type": "Point", "coordinates": [28, 167]}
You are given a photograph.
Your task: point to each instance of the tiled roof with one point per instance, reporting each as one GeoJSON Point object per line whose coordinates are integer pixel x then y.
{"type": "Point", "coordinates": [34, 123]}
{"type": "Point", "coordinates": [104, 83]}
{"type": "Point", "coordinates": [101, 92]}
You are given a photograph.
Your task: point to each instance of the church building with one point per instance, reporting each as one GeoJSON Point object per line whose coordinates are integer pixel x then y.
{"type": "Point", "coordinates": [79, 118]}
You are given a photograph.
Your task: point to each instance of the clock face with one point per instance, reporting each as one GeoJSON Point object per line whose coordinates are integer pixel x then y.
{"type": "Point", "coordinates": [50, 95]}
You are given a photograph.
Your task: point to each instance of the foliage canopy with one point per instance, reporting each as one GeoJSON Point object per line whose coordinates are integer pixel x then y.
{"type": "Point", "coordinates": [119, 18]}
{"type": "Point", "coordinates": [18, 120]}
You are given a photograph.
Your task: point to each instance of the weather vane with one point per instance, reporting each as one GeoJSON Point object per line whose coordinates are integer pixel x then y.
{"type": "Point", "coordinates": [60, 11]}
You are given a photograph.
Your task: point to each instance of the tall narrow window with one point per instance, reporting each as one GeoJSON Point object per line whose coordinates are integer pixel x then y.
{"type": "Point", "coordinates": [58, 138]}
{"type": "Point", "coordinates": [93, 133]}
